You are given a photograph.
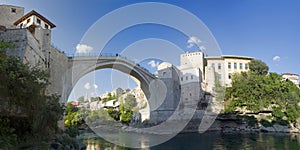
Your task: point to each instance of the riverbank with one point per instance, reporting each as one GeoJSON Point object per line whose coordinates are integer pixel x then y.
{"type": "Point", "coordinates": [219, 125]}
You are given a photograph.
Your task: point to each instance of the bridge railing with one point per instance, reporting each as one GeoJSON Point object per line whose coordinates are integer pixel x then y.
{"type": "Point", "coordinates": [71, 56]}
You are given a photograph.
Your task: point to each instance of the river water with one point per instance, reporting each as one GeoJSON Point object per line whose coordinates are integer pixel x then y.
{"type": "Point", "coordinates": [211, 140]}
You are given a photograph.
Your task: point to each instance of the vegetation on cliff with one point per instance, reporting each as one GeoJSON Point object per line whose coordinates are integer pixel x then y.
{"type": "Point", "coordinates": [28, 117]}
{"type": "Point", "coordinates": [259, 91]}
{"type": "Point", "coordinates": [76, 117]}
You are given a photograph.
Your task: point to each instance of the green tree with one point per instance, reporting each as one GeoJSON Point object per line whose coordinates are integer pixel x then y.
{"type": "Point", "coordinates": [256, 92]}
{"type": "Point", "coordinates": [80, 99]}
{"type": "Point", "coordinates": [127, 108]}
{"type": "Point", "coordinates": [130, 102]}
{"type": "Point", "coordinates": [258, 67]}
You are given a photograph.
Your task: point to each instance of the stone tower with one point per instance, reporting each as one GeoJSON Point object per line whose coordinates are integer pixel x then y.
{"type": "Point", "coordinates": [9, 15]}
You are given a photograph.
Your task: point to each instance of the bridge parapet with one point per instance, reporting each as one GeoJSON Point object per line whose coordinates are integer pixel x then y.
{"type": "Point", "coordinates": [108, 56]}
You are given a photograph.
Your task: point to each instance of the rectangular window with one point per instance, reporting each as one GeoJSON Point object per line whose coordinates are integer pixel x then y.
{"type": "Point", "coordinates": [181, 78]}
{"type": "Point", "coordinates": [229, 65]}
{"type": "Point", "coordinates": [192, 77]}
{"type": "Point", "coordinates": [246, 66]}
{"type": "Point", "coordinates": [229, 75]}
{"type": "Point", "coordinates": [38, 21]}
{"type": "Point", "coordinates": [13, 10]}
{"type": "Point", "coordinates": [28, 20]}
{"type": "Point", "coordinates": [21, 25]}
{"type": "Point", "coordinates": [219, 65]}
{"type": "Point", "coordinates": [46, 26]}
{"type": "Point", "coordinates": [241, 66]}
{"type": "Point", "coordinates": [186, 78]}
{"type": "Point", "coordinates": [235, 66]}
{"type": "Point", "coordinates": [213, 65]}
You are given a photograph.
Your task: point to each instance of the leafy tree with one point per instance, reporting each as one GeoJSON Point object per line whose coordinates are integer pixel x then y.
{"type": "Point", "coordinates": [127, 108]}
{"type": "Point", "coordinates": [130, 102]}
{"type": "Point", "coordinates": [254, 91]}
{"type": "Point", "coordinates": [258, 67]}
{"type": "Point", "coordinates": [80, 99]}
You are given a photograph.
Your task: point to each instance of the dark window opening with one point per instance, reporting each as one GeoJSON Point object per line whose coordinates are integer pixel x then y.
{"type": "Point", "coordinates": [13, 10]}
{"type": "Point", "coordinates": [38, 21]}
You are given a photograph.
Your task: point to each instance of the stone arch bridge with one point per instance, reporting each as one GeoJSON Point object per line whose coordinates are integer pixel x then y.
{"type": "Point", "coordinates": [82, 65]}
{"type": "Point", "coordinates": [163, 94]}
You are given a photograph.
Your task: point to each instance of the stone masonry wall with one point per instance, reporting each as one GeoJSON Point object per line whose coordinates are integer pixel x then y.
{"type": "Point", "coordinates": [58, 66]}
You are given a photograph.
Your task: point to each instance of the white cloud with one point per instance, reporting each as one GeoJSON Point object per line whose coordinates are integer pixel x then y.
{"type": "Point", "coordinates": [93, 94]}
{"type": "Point", "coordinates": [192, 41]}
{"type": "Point", "coordinates": [202, 48]}
{"type": "Point", "coordinates": [87, 86]}
{"type": "Point", "coordinates": [82, 48]}
{"type": "Point", "coordinates": [276, 58]}
{"type": "Point", "coordinates": [153, 63]}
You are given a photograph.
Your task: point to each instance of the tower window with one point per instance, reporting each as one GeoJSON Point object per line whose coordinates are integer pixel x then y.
{"type": "Point", "coordinates": [46, 26]}
{"type": "Point", "coordinates": [13, 10]}
{"type": "Point", "coordinates": [219, 65]}
{"type": "Point", "coordinates": [28, 20]}
{"type": "Point", "coordinates": [241, 66]}
{"type": "Point", "coordinates": [235, 66]}
{"type": "Point", "coordinates": [192, 77]}
{"type": "Point", "coordinates": [38, 21]}
{"type": "Point", "coordinates": [229, 65]}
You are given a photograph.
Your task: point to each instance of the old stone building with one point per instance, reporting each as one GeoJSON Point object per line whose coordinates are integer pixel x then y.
{"type": "Point", "coordinates": [30, 35]}
{"type": "Point", "coordinates": [225, 65]}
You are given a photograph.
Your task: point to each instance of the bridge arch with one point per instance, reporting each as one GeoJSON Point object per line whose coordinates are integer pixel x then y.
{"type": "Point", "coordinates": [80, 66]}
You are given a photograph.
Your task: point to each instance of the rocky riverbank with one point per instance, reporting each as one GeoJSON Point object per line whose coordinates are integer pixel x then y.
{"type": "Point", "coordinates": [232, 124]}
{"type": "Point", "coordinates": [224, 124]}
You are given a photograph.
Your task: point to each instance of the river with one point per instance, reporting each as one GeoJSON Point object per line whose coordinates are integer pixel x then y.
{"type": "Point", "coordinates": [210, 140]}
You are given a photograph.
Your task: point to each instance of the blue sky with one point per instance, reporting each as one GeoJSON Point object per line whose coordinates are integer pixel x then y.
{"type": "Point", "coordinates": [268, 30]}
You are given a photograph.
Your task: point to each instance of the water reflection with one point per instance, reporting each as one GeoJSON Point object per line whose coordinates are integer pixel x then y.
{"type": "Point", "coordinates": [210, 140]}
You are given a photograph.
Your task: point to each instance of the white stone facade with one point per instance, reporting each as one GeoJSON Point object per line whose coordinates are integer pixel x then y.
{"type": "Point", "coordinates": [34, 19]}
{"type": "Point", "coordinates": [226, 65]}
{"type": "Point", "coordinates": [197, 74]}
{"type": "Point", "coordinates": [292, 77]}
